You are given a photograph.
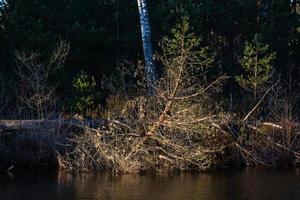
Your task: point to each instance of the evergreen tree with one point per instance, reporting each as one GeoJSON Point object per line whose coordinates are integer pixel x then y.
{"type": "Point", "coordinates": [256, 63]}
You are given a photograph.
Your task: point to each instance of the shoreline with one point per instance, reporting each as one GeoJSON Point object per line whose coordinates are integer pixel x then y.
{"type": "Point", "coordinates": [53, 151]}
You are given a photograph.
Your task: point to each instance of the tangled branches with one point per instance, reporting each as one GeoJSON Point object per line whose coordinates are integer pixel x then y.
{"type": "Point", "coordinates": [170, 129]}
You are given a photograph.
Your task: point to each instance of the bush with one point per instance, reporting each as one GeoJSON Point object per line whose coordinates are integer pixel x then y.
{"type": "Point", "coordinates": [85, 95]}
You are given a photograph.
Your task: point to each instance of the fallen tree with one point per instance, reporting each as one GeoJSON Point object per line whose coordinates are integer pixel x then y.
{"type": "Point", "coordinates": [25, 125]}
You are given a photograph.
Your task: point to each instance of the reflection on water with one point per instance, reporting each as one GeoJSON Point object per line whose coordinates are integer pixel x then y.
{"type": "Point", "coordinates": [246, 184]}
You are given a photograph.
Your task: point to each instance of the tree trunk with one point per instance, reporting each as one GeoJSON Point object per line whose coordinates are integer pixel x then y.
{"type": "Point", "coordinates": [258, 11]}
{"type": "Point", "coordinates": [23, 125]}
{"type": "Point", "coordinates": [147, 46]}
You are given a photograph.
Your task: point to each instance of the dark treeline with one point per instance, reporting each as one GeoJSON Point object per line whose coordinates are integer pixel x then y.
{"type": "Point", "coordinates": [105, 34]}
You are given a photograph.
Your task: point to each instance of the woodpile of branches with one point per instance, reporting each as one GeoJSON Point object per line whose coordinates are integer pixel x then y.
{"type": "Point", "coordinates": [172, 129]}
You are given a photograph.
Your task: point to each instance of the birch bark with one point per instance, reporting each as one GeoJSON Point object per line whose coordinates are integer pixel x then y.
{"type": "Point", "coordinates": [150, 69]}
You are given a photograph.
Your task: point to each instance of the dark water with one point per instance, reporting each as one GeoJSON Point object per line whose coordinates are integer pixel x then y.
{"type": "Point", "coordinates": [245, 184]}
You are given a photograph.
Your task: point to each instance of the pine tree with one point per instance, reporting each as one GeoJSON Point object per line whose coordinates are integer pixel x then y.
{"type": "Point", "coordinates": [257, 66]}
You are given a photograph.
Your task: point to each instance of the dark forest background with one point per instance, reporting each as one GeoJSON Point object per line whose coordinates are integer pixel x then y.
{"type": "Point", "coordinates": [104, 35]}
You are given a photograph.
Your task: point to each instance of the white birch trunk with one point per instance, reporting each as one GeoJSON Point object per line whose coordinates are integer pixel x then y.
{"type": "Point", "coordinates": [147, 46]}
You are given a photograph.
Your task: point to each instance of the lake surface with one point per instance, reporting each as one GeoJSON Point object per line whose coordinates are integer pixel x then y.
{"type": "Point", "coordinates": [244, 184]}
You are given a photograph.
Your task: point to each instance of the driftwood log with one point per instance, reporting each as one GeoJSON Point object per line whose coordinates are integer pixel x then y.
{"type": "Point", "coordinates": [23, 125]}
